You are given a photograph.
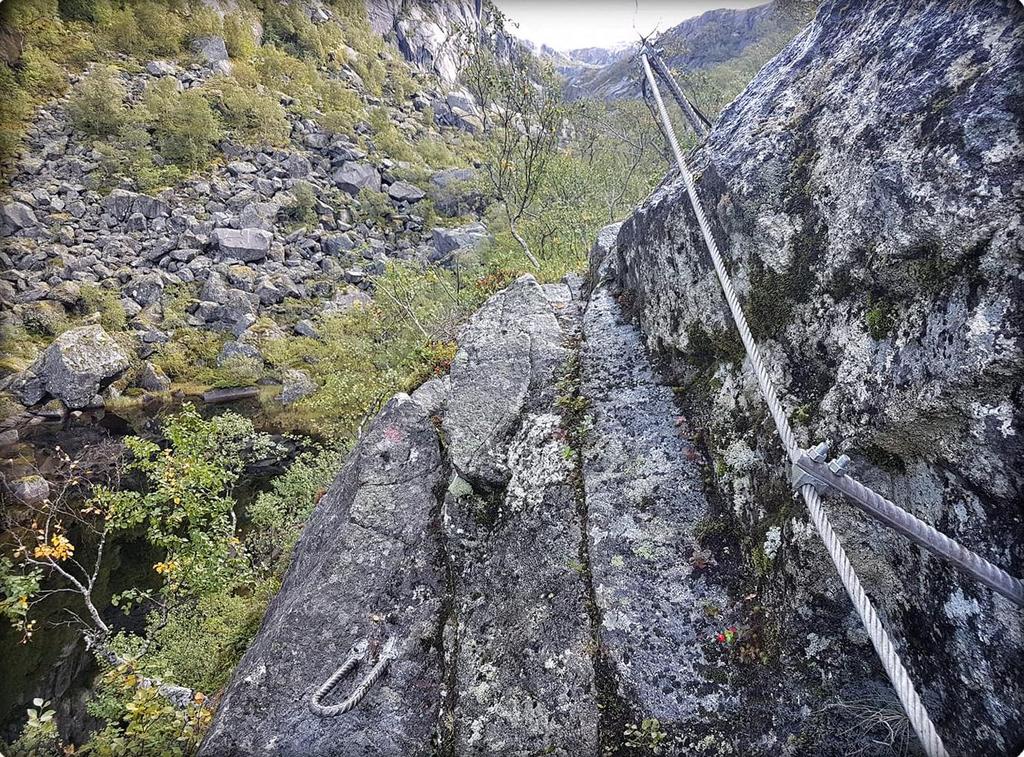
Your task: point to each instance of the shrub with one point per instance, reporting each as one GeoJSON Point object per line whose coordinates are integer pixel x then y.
{"type": "Point", "coordinates": [238, 36]}
{"type": "Point", "coordinates": [97, 105]}
{"type": "Point", "coordinates": [130, 156]}
{"type": "Point", "coordinates": [77, 10]}
{"type": "Point", "coordinates": [388, 138]}
{"type": "Point", "coordinates": [143, 29]}
{"type": "Point", "coordinates": [189, 350]}
{"type": "Point", "coordinates": [204, 22]}
{"type": "Point", "coordinates": [254, 118]}
{"type": "Point", "coordinates": [41, 76]}
{"type": "Point", "coordinates": [302, 209]}
{"type": "Point", "coordinates": [281, 72]}
{"type": "Point", "coordinates": [107, 303]}
{"type": "Point", "coordinates": [880, 320]}
{"type": "Point", "coordinates": [341, 107]}
{"type": "Point", "coordinates": [185, 127]}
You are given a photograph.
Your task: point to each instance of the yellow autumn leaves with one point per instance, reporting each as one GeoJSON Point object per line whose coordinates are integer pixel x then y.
{"type": "Point", "coordinates": [59, 548]}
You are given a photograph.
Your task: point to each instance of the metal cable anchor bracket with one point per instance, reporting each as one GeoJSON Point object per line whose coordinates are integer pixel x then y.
{"type": "Point", "coordinates": [360, 652]}
{"type": "Point", "coordinates": [799, 478]}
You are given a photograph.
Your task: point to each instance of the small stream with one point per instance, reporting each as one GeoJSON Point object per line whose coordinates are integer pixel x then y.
{"type": "Point", "coordinates": [54, 664]}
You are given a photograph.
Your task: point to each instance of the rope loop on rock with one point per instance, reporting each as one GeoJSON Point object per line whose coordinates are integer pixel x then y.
{"type": "Point", "coordinates": [360, 652]}
{"type": "Point", "coordinates": [884, 647]}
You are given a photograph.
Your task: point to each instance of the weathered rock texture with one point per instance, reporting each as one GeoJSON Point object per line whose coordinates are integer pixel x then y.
{"type": "Point", "coordinates": [481, 582]}
{"type": "Point", "coordinates": [427, 32]}
{"type": "Point", "coordinates": [869, 197]}
{"type": "Point", "coordinates": [369, 566]}
{"type": "Point", "coordinates": [588, 523]}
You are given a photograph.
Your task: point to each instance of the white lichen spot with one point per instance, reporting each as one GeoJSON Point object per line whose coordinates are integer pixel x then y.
{"type": "Point", "coordinates": [816, 644]}
{"type": "Point", "coordinates": [1001, 413]}
{"type": "Point", "coordinates": [772, 542]}
{"type": "Point", "coordinates": [959, 607]}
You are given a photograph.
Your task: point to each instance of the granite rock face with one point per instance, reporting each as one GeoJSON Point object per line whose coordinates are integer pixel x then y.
{"type": "Point", "coordinates": [476, 580]}
{"type": "Point", "coordinates": [870, 212]}
{"type": "Point", "coordinates": [368, 567]}
{"type": "Point", "coordinates": [506, 361]}
{"type": "Point", "coordinates": [424, 31]}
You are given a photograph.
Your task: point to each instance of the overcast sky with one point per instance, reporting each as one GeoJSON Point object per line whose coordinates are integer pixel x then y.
{"type": "Point", "coordinates": [570, 24]}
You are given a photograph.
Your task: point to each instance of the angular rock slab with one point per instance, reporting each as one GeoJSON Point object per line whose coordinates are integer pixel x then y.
{"type": "Point", "coordinates": [644, 498]}
{"type": "Point", "coordinates": [507, 358]}
{"type": "Point", "coordinates": [368, 565]}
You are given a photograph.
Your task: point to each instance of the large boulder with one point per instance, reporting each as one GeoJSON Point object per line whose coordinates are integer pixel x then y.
{"type": "Point", "coordinates": [79, 363]}
{"type": "Point", "coordinates": [246, 245]}
{"type": "Point", "coordinates": [403, 191]}
{"type": "Point", "coordinates": [296, 385]}
{"type": "Point", "coordinates": [122, 205]}
{"type": "Point", "coordinates": [30, 490]}
{"type": "Point", "coordinates": [447, 241]}
{"type": "Point", "coordinates": [210, 48]}
{"type": "Point", "coordinates": [457, 191]}
{"type": "Point", "coordinates": [506, 361]}
{"type": "Point", "coordinates": [19, 215]}
{"type": "Point", "coordinates": [352, 177]}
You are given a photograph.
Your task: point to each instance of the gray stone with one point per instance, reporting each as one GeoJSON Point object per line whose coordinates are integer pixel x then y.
{"type": "Point", "coordinates": [337, 244]}
{"type": "Point", "coordinates": [887, 301]}
{"type": "Point", "coordinates": [241, 167]}
{"type": "Point", "coordinates": [306, 328]}
{"type": "Point", "coordinates": [432, 394]}
{"type": "Point", "coordinates": [296, 385]}
{"type": "Point", "coordinates": [19, 215]}
{"type": "Point", "coordinates": [297, 166]}
{"type": "Point", "coordinates": [380, 507]}
{"type": "Point", "coordinates": [27, 388]}
{"type": "Point", "coordinates": [79, 363]}
{"type": "Point", "coordinates": [507, 356]}
{"type": "Point", "coordinates": [246, 245]}
{"type": "Point", "coordinates": [152, 379]}
{"type": "Point", "coordinates": [210, 48]}
{"type": "Point", "coordinates": [402, 191]}
{"type": "Point", "coordinates": [122, 205]}
{"type": "Point", "coordinates": [160, 68]}
{"type": "Point", "coordinates": [259, 215]}
{"type": "Point", "coordinates": [30, 490]}
{"type": "Point", "coordinates": [353, 177]}
{"type": "Point", "coordinates": [243, 324]}
{"type": "Point", "coordinates": [232, 351]}
{"type": "Point", "coordinates": [346, 300]}
{"type": "Point", "coordinates": [457, 191]}
{"type": "Point", "coordinates": [145, 289]}
{"type": "Point", "coordinates": [447, 241]}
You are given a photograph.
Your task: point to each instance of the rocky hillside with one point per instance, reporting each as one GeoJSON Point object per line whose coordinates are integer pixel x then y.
{"type": "Point", "coordinates": [583, 541]}
{"type": "Point", "coordinates": [427, 32]}
{"type": "Point", "coordinates": [715, 38]}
